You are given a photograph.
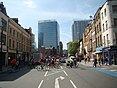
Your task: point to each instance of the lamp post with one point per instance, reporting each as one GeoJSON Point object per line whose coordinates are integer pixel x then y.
{"type": "Point", "coordinates": [1, 55]}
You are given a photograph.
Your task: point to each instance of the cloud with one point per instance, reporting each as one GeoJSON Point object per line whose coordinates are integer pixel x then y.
{"type": "Point", "coordinates": [30, 3]}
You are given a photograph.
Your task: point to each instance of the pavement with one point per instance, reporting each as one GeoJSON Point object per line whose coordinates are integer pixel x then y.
{"type": "Point", "coordinates": [6, 70]}
{"type": "Point", "coordinates": [112, 68]}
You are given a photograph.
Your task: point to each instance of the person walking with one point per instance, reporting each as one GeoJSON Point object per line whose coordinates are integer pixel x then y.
{"type": "Point", "coordinates": [95, 63]}
{"type": "Point", "coordinates": [85, 60]}
{"type": "Point", "coordinates": [99, 61]}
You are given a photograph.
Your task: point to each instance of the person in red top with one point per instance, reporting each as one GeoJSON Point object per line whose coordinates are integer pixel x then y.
{"type": "Point", "coordinates": [13, 63]}
{"type": "Point", "coordinates": [42, 62]}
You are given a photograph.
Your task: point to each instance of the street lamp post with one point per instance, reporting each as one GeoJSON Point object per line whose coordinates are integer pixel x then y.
{"type": "Point", "coordinates": [1, 55]}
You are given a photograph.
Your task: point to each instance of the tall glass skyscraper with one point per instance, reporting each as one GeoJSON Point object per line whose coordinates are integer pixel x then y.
{"type": "Point", "coordinates": [78, 28]}
{"type": "Point", "coordinates": [48, 34]}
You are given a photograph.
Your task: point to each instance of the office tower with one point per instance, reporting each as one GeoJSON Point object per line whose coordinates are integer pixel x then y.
{"type": "Point", "coordinates": [48, 34]}
{"type": "Point", "coordinates": [78, 28]}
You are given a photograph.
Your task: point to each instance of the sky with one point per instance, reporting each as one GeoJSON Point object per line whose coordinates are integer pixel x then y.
{"type": "Point", "coordinates": [29, 12]}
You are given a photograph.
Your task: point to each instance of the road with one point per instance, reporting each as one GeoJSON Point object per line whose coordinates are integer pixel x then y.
{"type": "Point", "coordinates": [65, 77]}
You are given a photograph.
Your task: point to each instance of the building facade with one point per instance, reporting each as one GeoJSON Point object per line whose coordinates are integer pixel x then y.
{"type": "Point", "coordinates": [48, 34]}
{"type": "Point", "coordinates": [109, 30]}
{"type": "Point", "coordinates": [88, 41]}
{"type": "Point", "coordinates": [19, 41]}
{"type": "Point", "coordinates": [78, 27]}
{"type": "Point", "coordinates": [98, 34]}
{"type": "Point", "coordinates": [3, 34]}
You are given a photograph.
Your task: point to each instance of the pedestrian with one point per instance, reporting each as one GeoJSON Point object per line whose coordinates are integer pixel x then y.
{"type": "Point", "coordinates": [102, 61]}
{"type": "Point", "coordinates": [106, 61]}
{"type": "Point", "coordinates": [99, 61]}
{"type": "Point", "coordinates": [95, 63]}
{"type": "Point", "coordinates": [85, 60]}
{"type": "Point", "coordinates": [17, 65]}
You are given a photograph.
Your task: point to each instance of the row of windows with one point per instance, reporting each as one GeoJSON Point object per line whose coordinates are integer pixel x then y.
{"type": "Point", "coordinates": [105, 26]}
{"type": "Point", "coordinates": [104, 14]}
{"type": "Point", "coordinates": [99, 41]}
{"type": "Point", "coordinates": [18, 36]}
{"type": "Point", "coordinates": [14, 33]}
{"type": "Point", "coordinates": [16, 45]}
{"type": "Point", "coordinates": [106, 40]}
{"type": "Point", "coordinates": [114, 10]}
{"type": "Point", "coordinates": [98, 28]}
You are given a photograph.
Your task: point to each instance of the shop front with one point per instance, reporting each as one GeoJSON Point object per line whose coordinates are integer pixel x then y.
{"type": "Point", "coordinates": [111, 54]}
{"type": "Point", "coordinates": [98, 53]}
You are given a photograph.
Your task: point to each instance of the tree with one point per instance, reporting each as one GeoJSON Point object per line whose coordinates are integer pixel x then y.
{"type": "Point", "coordinates": [73, 46]}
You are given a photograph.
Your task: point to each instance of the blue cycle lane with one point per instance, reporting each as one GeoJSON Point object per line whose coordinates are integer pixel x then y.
{"type": "Point", "coordinates": [104, 71]}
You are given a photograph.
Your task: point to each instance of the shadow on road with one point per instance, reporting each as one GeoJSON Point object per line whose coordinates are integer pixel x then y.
{"type": "Point", "coordinates": [11, 76]}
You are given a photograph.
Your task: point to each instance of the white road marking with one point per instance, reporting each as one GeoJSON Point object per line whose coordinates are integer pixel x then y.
{"type": "Point", "coordinates": [54, 73]}
{"type": "Point", "coordinates": [61, 67]}
{"type": "Point", "coordinates": [57, 82]}
{"type": "Point", "coordinates": [73, 84]}
{"type": "Point", "coordinates": [65, 72]}
{"type": "Point", "coordinates": [40, 84]}
{"type": "Point", "coordinates": [46, 73]}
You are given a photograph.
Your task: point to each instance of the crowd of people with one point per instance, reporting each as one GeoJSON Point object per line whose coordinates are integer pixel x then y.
{"type": "Point", "coordinates": [45, 62]}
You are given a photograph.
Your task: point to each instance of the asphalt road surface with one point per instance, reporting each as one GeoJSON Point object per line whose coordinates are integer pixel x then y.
{"type": "Point", "coordinates": [65, 77]}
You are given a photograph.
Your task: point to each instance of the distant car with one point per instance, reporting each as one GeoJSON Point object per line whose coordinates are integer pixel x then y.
{"type": "Point", "coordinates": [62, 60]}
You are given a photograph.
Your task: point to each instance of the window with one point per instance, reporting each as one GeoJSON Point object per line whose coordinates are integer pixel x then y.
{"type": "Point", "coordinates": [102, 15]}
{"type": "Point", "coordinates": [98, 15]}
{"type": "Point", "coordinates": [96, 42]}
{"type": "Point", "coordinates": [104, 41]}
{"type": "Point", "coordinates": [17, 35]}
{"type": "Point", "coordinates": [13, 44]}
{"type": "Point", "coordinates": [106, 25]}
{"type": "Point", "coordinates": [103, 27]}
{"type": "Point", "coordinates": [4, 24]}
{"type": "Point", "coordinates": [0, 37]}
{"type": "Point", "coordinates": [107, 39]}
{"type": "Point", "coordinates": [17, 46]}
{"type": "Point", "coordinates": [115, 22]}
{"type": "Point", "coordinates": [114, 8]}
{"type": "Point", "coordinates": [99, 27]}
{"type": "Point", "coordinates": [105, 11]}
{"type": "Point", "coordinates": [100, 40]}
{"type": "Point", "coordinates": [3, 39]}
{"type": "Point", "coordinates": [10, 30]}
{"type": "Point", "coordinates": [95, 30]}
{"type": "Point", "coordinates": [9, 42]}
{"type": "Point", "coordinates": [13, 32]}
{"type": "Point", "coordinates": [115, 38]}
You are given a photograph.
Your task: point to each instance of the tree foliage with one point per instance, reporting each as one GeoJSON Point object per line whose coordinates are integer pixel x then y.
{"type": "Point", "coordinates": [73, 46]}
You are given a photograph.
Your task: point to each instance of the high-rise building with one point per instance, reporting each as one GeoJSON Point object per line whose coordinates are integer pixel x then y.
{"type": "Point", "coordinates": [48, 34]}
{"type": "Point", "coordinates": [78, 28]}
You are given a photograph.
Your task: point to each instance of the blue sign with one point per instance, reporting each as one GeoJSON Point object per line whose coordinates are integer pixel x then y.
{"type": "Point", "coordinates": [99, 49]}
